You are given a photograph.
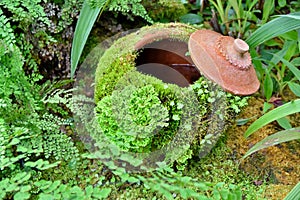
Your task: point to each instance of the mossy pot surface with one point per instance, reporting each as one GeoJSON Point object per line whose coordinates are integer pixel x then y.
{"type": "Point", "coordinates": [146, 82]}
{"type": "Point", "coordinates": [130, 45]}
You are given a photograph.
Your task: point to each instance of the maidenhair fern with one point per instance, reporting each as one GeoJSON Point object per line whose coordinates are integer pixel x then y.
{"type": "Point", "coordinates": [6, 31]}
{"type": "Point", "coordinates": [31, 136]}
{"type": "Point", "coordinates": [25, 11]}
{"type": "Point", "coordinates": [126, 7]}
{"type": "Point", "coordinates": [129, 6]}
{"type": "Point", "coordinates": [60, 146]}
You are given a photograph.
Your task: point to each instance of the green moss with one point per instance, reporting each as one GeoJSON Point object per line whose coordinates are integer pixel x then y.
{"type": "Point", "coordinates": [109, 77]}
{"type": "Point", "coordinates": [120, 57]}
{"type": "Point", "coordinates": [165, 10]}
{"type": "Point", "coordinates": [221, 166]}
{"type": "Point", "coordinates": [142, 114]}
{"type": "Point", "coordinates": [197, 115]}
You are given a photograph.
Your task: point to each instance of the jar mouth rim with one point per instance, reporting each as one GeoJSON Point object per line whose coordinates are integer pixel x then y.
{"type": "Point", "coordinates": [167, 60]}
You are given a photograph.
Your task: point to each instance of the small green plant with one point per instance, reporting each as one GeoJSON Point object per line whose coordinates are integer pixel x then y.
{"type": "Point", "coordinates": [279, 137]}
{"type": "Point", "coordinates": [91, 10]}
{"type": "Point", "coordinates": [234, 16]}
{"type": "Point", "coordinates": [285, 74]}
{"type": "Point", "coordinates": [170, 184]}
{"type": "Point", "coordinates": [41, 30]}
{"type": "Point", "coordinates": [277, 69]}
{"type": "Point", "coordinates": [31, 141]}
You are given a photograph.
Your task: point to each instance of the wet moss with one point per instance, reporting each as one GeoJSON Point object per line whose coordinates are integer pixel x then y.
{"type": "Point", "coordinates": [276, 166]}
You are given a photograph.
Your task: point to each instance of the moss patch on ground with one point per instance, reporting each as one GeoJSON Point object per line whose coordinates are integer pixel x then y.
{"type": "Point", "coordinates": [277, 166]}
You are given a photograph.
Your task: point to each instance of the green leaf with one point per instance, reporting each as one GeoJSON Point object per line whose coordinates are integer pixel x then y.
{"type": "Point", "coordinates": [132, 179]}
{"type": "Point", "coordinates": [277, 113]}
{"type": "Point", "coordinates": [22, 195]}
{"type": "Point", "coordinates": [240, 122]}
{"type": "Point", "coordinates": [294, 193]}
{"type": "Point", "coordinates": [187, 193]}
{"type": "Point", "coordinates": [89, 190]}
{"type": "Point", "coordinates": [295, 88]}
{"type": "Point", "coordinates": [268, 86]}
{"type": "Point", "coordinates": [296, 61]}
{"type": "Point", "coordinates": [224, 193]}
{"type": "Point", "coordinates": [44, 196]}
{"type": "Point", "coordinates": [25, 188]}
{"type": "Point", "coordinates": [277, 138]}
{"type": "Point", "coordinates": [292, 67]}
{"type": "Point", "coordinates": [281, 3]}
{"type": "Point", "coordinates": [287, 52]}
{"type": "Point", "coordinates": [14, 141]}
{"type": "Point", "coordinates": [103, 193]}
{"type": "Point", "coordinates": [274, 28]}
{"type": "Point", "coordinates": [284, 123]}
{"type": "Point", "coordinates": [84, 26]}
{"type": "Point", "coordinates": [191, 19]}
{"type": "Point", "coordinates": [267, 106]}
{"type": "Point", "coordinates": [268, 8]}
{"type": "Point", "coordinates": [168, 195]}
{"type": "Point", "coordinates": [53, 186]}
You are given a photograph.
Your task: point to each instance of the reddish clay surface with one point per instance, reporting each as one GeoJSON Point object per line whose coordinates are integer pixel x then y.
{"type": "Point", "coordinates": [224, 60]}
{"type": "Point", "coordinates": [170, 53]}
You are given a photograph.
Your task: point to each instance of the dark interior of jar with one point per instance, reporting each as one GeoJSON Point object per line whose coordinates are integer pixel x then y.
{"type": "Point", "coordinates": [169, 61]}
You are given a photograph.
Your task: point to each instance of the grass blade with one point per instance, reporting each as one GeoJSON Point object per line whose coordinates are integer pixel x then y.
{"type": "Point", "coordinates": [277, 138]}
{"type": "Point", "coordinates": [268, 8]}
{"type": "Point", "coordinates": [268, 85]}
{"type": "Point", "coordinates": [274, 28]}
{"type": "Point", "coordinates": [295, 88]}
{"type": "Point", "coordinates": [279, 112]}
{"type": "Point", "coordinates": [294, 193]}
{"type": "Point", "coordinates": [84, 26]}
{"type": "Point", "coordinates": [292, 67]}
{"type": "Point", "coordinates": [284, 123]}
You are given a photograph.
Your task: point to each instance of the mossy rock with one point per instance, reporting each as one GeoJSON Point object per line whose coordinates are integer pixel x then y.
{"type": "Point", "coordinates": [179, 122]}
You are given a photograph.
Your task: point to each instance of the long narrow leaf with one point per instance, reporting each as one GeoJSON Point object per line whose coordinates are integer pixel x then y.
{"type": "Point", "coordinates": [84, 26]}
{"type": "Point", "coordinates": [294, 193]}
{"type": "Point", "coordinates": [292, 67]}
{"type": "Point", "coordinates": [267, 9]}
{"type": "Point", "coordinates": [295, 15]}
{"type": "Point", "coordinates": [284, 123]}
{"type": "Point", "coordinates": [295, 88]}
{"type": "Point", "coordinates": [277, 138]}
{"type": "Point", "coordinates": [274, 28]}
{"type": "Point", "coordinates": [279, 112]}
{"type": "Point", "coordinates": [268, 85]}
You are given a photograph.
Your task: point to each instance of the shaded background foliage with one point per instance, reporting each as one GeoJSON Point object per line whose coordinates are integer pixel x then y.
{"type": "Point", "coordinates": [40, 154]}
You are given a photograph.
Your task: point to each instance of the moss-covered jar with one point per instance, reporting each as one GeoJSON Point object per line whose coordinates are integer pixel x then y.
{"type": "Point", "coordinates": [149, 118]}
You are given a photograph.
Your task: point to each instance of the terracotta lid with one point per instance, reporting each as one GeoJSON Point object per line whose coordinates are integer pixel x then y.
{"type": "Point", "coordinates": [224, 60]}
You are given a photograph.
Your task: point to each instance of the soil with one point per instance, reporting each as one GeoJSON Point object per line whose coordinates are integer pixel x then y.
{"type": "Point", "coordinates": [277, 166]}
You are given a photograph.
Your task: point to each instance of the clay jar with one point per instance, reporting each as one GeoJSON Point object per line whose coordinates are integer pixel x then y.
{"type": "Point", "coordinates": [178, 53]}
{"type": "Point", "coordinates": [164, 54]}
